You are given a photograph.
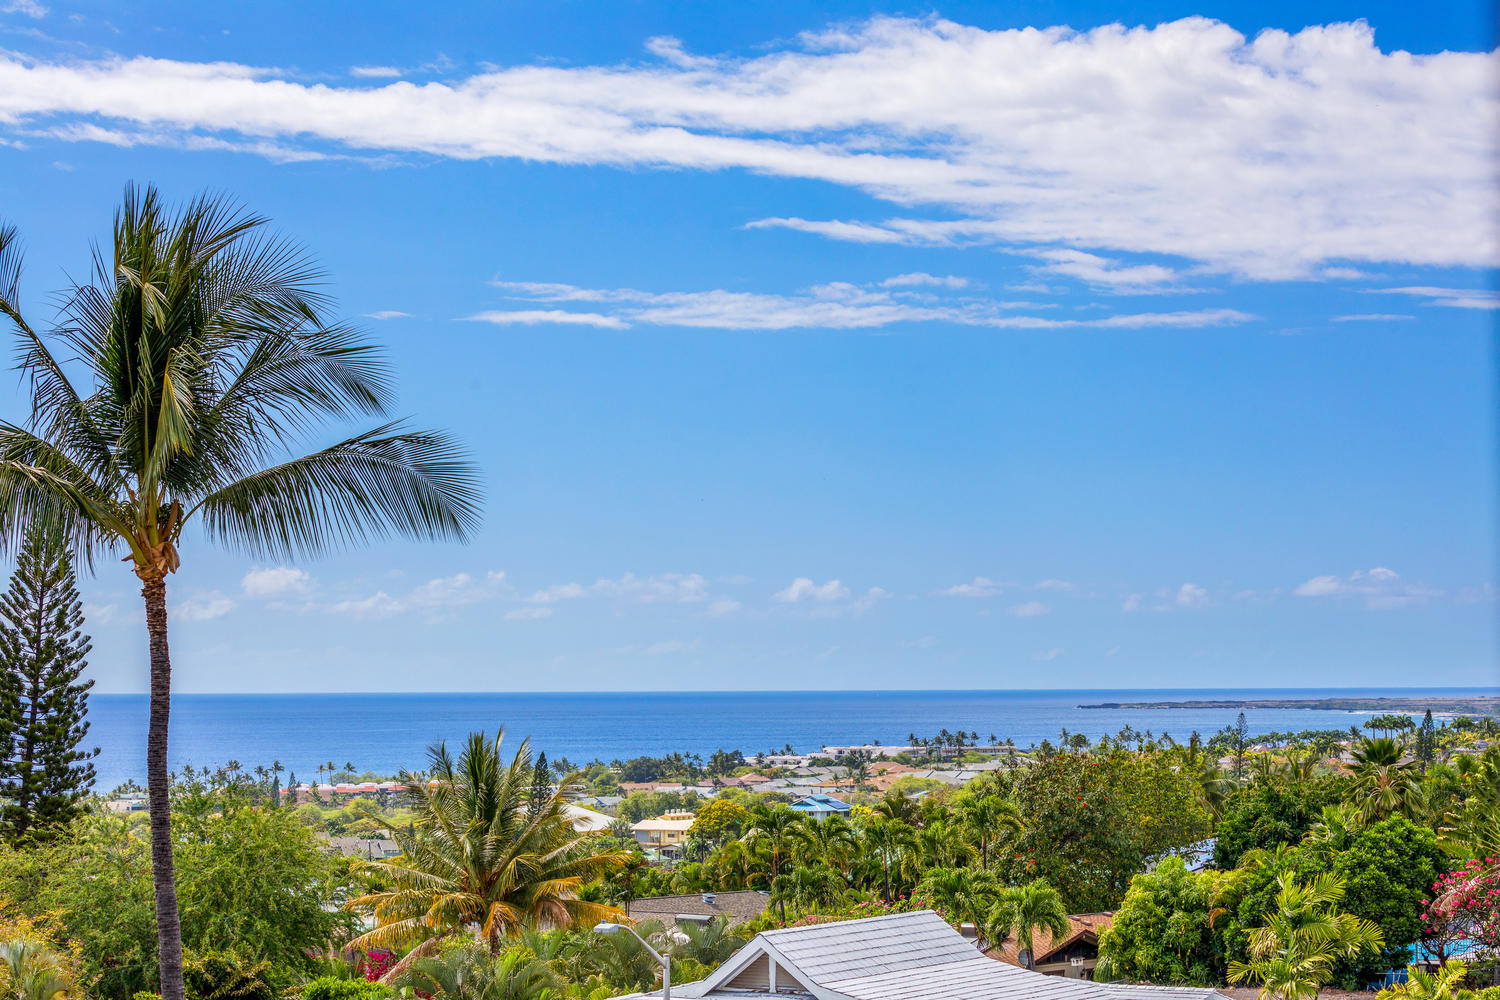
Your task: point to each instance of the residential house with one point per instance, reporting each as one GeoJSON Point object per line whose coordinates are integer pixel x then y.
{"type": "Point", "coordinates": [739, 906]}
{"type": "Point", "coordinates": [1072, 956]}
{"type": "Point", "coordinates": [821, 806]}
{"type": "Point", "coordinates": [665, 833]}
{"type": "Point", "coordinates": [902, 956]}
{"type": "Point", "coordinates": [366, 848]}
{"type": "Point", "coordinates": [586, 820]}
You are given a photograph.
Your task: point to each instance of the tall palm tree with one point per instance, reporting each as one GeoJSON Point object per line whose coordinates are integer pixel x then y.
{"type": "Point", "coordinates": [1293, 954]}
{"type": "Point", "coordinates": [1024, 910]}
{"type": "Point", "coordinates": [807, 887]}
{"type": "Point", "coordinates": [208, 357]}
{"type": "Point", "coordinates": [479, 857]}
{"type": "Point", "coordinates": [989, 817]}
{"type": "Point", "coordinates": [775, 831]}
{"type": "Point", "coordinates": [941, 845]}
{"type": "Point", "coordinates": [891, 844]}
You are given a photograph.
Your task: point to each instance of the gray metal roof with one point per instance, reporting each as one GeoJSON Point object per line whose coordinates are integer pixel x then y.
{"type": "Point", "coordinates": [905, 956]}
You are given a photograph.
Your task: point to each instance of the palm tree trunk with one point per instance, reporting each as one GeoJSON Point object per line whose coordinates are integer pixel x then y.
{"type": "Point", "coordinates": [168, 925]}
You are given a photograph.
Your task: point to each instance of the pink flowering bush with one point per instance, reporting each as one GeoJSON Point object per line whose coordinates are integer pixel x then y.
{"type": "Point", "coordinates": [869, 908]}
{"type": "Point", "coordinates": [1468, 895]}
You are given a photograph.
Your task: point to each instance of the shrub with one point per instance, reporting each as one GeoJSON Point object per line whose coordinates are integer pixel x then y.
{"type": "Point", "coordinates": [331, 988]}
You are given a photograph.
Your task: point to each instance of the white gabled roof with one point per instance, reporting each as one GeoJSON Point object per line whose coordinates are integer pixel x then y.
{"type": "Point", "coordinates": [902, 956]}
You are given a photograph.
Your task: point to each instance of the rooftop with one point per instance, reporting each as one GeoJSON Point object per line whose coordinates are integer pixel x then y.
{"type": "Point", "coordinates": [739, 906]}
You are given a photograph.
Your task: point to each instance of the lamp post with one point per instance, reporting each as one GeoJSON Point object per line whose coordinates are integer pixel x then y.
{"type": "Point", "coordinates": [605, 927]}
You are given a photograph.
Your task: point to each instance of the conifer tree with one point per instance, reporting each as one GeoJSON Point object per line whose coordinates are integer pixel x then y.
{"type": "Point", "coordinates": [46, 773]}
{"type": "Point", "coordinates": [1426, 742]}
{"type": "Point", "coordinates": [541, 786]}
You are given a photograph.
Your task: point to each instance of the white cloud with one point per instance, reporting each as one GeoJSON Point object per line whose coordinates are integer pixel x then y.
{"type": "Point", "coordinates": [803, 589]}
{"type": "Point", "coordinates": [275, 581]}
{"type": "Point", "coordinates": [1456, 298]}
{"type": "Point", "coordinates": [1160, 140]}
{"type": "Point", "coordinates": [433, 597]}
{"type": "Point", "coordinates": [100, 614]}
{"type": "Point", "coordinates": [1103, 272]}
{"type": "Point", "coordinates": [1132, 603]}
{"type": "Point", "coordinates": [1378, 588]}
{"type": "Point", "coordinates": [980, 586]}
{"type": "Point", "coordinates": [374, 72]}
{"type": "Point", "coordinates": [837, 305]}
{"type": "Point", "coordinates": [387, 314]}
{"type": "Point", "coordinates": [527, 614]}
{"type": "Point", "coordinates": [1028, 609]}
{"type": "Point", "coordinates": [204, 607]}
{"type": "Point", "coordinates": [1062, 586]}
{"type": "Point", "coordinates": [28, 8]}
{"type": "Point", "coordinates": [681, 588]}
{"type": "Point", "coordinates": [1049, 654]}
{"type": "Point", "coordinates": [556, 317]}
{"type": "Point", "coordinates": [1372, 318]}
{"type": "Point", "coordinates": [922, 278]}
{"type": "Point", "coordinates": [720, 608]}
{"type": "Point", "coordinates": [1190, 595]}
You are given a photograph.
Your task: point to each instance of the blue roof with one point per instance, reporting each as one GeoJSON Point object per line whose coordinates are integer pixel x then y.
{"type": "Point", "coordinates": [820, 803]}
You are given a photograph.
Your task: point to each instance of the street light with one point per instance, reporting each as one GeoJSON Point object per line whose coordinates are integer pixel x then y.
{"type": "Point", "coordinates": [605, 927]}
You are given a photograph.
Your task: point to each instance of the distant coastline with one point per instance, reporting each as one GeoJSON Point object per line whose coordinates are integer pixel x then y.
{"type": "Point", "coordinates": [1438, 706]}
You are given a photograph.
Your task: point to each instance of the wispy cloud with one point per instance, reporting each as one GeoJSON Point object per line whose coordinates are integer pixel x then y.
{"type": "Point", "coordinates": [434, 598]}
{"type": "Point", "coordinates": [203, 607]}
{"type": "Point", "coordinates": [836, 305]}
{"type": "Point", "coordinates": [1454, 298]}
{"type": "Point", "coordinates": [1372, 318]}
{"type": "Point", "coordinates": [1028, 609]}
{"type": "Point", "coordinates": [678, 588]}
{"type": "Point", "coordinates": [980, 586]}
{"type": "Point", "coordinates": [1157, 140]}
{"type": "Point", "coordinates": [803, 589]}
{"type": "Point", "coordinates": [27, 8]}
{"type": "Point", "coordinates": [381, 314]}
{"type": "Point", "coordinates": [527, 614]}
{"type": "Point", "coordinates": [1377, 588]}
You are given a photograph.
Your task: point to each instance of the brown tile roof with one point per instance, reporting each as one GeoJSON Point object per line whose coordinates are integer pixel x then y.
{"type": "Point", "coordinates": [740, 905]}
{"type": "Point", "coordinates": [1085, 926]}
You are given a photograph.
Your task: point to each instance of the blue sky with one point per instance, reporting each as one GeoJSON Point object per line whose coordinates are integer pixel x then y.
{"type": "Point", "coordinates": [844, 346]}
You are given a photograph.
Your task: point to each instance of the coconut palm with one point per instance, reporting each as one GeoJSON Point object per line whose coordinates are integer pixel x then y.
{"type": "Point", "coordinates": [1024, 910]}
{"type": "Point", "coordinates": [776, 831]}
{"type": "Point", "coordinates": [988, 818]}
{"type": "Point", "coordinates": [478, 856]}
{"type": "Point", "coordinates": [942, 845]}
{"type": "Point", "coordinates": [897, 805]}
{"type": "Point", "coordinates": [1292, 955]}
{"type": "Point", "coordinates": [31, 970]}
{"type": "Point", "coordinates": [208, 357]}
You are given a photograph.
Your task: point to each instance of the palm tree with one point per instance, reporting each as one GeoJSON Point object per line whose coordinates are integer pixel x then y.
{"type": "Point", "coordinates": [479, 857]}
{"type": "Point", "coordinates": [1383, 785]}
{"type": "Point", "coordinates": [775, 831]}
{"type": "Point", "coordinates": [1022, 911]}
{"type": "Point", "coordinates": [989, 817]}
{"type": "Point", "coordinates": [210, 356]}
{"type": "Point", "coordinates": [964, 893]}
{"type": "Point", "coordinates": [897, 805]}
{"type": "Point", "coordinates": [1444, 984]}
{"type": "Point", "coordinates": [31, 970]}
{"type": "Point", "coordinates": [1292, 955]}
{"type": "Point", "coordinates": [940, 845]}
{"type": "Point", "coordinates": [834, 842]}
{"type": "Point", "coordinates": [892, 844]}
{"type": "Point", "coordinates": [1337, 829]}
{"type": "Point", "coordinates": [472, 973]}
{"type": "Point", "coordinates": [807, 887]}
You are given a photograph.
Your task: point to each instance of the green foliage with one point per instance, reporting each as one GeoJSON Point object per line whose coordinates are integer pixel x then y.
{"type": "Point", "coordinates": [218, 975]}
{"type": "Point", "coordinates": [1271, 814]}
{"type": "Point", "coordinates": [1293, 952]}
{"type": "Point", "coordinates": [720, 819]}
{"type": "Point", "coordinates": [1163, 931]}
{"type": "Point", "coordinates": [335, 988]}
{"type": "Point", "coordinates": [251, 877]}
{"type": "Point", "coordinates": [44, 774]}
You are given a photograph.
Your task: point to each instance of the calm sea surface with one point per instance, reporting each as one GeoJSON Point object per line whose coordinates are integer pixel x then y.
{"type": "Point", "coordinates": [385, 732]}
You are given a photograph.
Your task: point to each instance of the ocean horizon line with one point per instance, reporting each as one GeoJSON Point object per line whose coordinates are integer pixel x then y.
{"type": "Point", "coordinates": [699, 692]}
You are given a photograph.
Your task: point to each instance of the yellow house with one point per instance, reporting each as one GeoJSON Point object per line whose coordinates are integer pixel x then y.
{"type": "Point", "coordinates": [666, 832]}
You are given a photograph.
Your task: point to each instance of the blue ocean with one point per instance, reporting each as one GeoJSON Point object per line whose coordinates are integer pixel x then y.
{"type": "Point", "coordinates": [386, 732]}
